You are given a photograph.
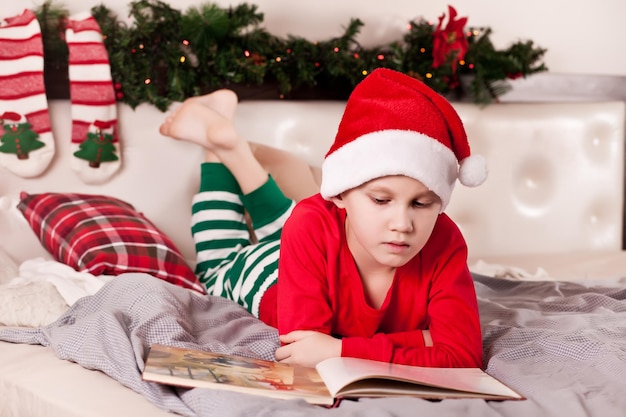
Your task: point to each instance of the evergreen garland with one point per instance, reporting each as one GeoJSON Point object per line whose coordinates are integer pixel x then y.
{"type": "Point", "coordinates": [166, 55]}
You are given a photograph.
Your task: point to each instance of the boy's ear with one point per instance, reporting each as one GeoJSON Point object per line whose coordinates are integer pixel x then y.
{"type": "Point", "coordinates": [338, 201]}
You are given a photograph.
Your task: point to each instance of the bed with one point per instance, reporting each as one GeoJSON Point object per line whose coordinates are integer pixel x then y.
{"type": "Point", "coordinates": [545, 235]}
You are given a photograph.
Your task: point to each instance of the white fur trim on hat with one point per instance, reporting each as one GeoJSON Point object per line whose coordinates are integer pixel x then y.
{"type": "Point", "coordinates": [391, 152]}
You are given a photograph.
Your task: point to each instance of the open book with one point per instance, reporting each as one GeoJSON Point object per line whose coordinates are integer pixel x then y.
{"type": "Point", "coordinates": [332, 379]}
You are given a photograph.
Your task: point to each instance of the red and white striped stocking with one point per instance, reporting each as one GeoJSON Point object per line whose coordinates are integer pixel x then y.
{"type": "Point", "coordinates": [95, 145]}
{"type": "Point", "coordinates": [26, 140]}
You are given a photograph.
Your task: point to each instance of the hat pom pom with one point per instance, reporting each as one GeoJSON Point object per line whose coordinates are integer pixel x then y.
{"type": "Point", "coordinates": [473, 171]}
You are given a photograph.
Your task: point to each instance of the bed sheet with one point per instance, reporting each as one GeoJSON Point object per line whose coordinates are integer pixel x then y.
{"type": "Point", "coordinates": [560, 344]}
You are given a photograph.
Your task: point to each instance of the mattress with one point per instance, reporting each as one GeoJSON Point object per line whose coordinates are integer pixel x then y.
{"type": "Point", "coordinates": [34, 382]}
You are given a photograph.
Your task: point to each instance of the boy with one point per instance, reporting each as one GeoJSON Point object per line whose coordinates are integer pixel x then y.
{"type": "Point", "coordinates": [371, 267]}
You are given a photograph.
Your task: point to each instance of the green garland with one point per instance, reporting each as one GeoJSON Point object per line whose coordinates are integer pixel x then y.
{"type": "Point", "coordinates": [167, 55]}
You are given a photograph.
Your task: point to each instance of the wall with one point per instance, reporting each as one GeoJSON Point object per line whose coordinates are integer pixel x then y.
{"type": "Point", "coordinates": [583, 39]}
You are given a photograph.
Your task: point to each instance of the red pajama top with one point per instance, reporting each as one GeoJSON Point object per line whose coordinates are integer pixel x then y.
{"type": "Point", "coordinates": [319, 288]}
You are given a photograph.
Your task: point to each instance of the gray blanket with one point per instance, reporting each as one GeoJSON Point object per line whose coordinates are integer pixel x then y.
{"type": "Point", "coordinates": [561, 345]}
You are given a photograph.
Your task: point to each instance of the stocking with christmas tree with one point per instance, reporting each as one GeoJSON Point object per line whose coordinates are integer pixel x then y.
{"type": "Point", "coordinates": [98, 148]}
{"type": "Point", "coordinates": [95, 145]}
{"type": "Point", "coordinates": [26, 140]}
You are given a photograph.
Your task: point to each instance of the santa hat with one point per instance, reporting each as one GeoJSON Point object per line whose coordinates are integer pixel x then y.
{"type": "Point", "coordinates": [10, 117]}
{"type": "Point", "coordinates": [100, 126]}
{"type": "Point", "coordinates": [393, 124]}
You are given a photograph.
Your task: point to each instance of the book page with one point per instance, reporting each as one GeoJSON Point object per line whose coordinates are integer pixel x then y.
{"type": "Point", "coordinates": [339, 373]}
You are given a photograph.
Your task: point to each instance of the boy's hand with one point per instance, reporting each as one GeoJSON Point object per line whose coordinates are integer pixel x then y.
{"type": "Point", "coordinates": [307, 348]}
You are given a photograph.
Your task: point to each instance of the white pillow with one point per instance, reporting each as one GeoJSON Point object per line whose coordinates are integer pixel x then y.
{"type": "Point", "coordinates": [8, 267]}
{"type": "Point", "coordinates": [17, 239]}
{"type": "Point", "coordinates": [30, 304]}
{"type": "Point", "coordinates": [23, 305]}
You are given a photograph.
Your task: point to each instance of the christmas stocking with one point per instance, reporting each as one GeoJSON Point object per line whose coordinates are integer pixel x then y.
{"type": "Point", "coordinates": [26, 141]}
{"type": "Point", "coordinates": [95, 146]}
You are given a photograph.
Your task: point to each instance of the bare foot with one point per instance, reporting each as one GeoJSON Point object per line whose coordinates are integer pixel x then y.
{"type": "Point", "coordinates": [206, 120]}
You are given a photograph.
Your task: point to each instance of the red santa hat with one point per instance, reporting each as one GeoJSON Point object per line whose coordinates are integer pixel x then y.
{"type": "Point", "coordinates": [393, 124]}
{"type": "Point", "coordinates": [11, 117]}
{"type": "Point", "coordinates": [101, 126]}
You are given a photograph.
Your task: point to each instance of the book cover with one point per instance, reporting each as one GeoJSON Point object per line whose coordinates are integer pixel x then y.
{"type": "Point", "coordinates": [196, 368]}
{"type": "Point", "coordinates": [332, 379]}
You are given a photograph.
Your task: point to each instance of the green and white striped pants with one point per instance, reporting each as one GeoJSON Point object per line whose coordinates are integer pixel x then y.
{"type": "Point", "coordinates": [229, 263]}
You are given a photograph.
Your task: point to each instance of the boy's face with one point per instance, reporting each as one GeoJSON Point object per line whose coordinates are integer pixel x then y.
{"type": "Point", "coordinates": [389, 220]}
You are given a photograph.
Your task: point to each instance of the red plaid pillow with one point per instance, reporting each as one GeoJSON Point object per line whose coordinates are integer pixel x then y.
{"type": "Point", "coordinates": [104, 236]}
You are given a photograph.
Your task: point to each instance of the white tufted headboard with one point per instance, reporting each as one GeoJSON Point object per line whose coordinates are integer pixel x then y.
{"type": "Point", "coordinates": [556, 169]}
{"type": "Point", "coordinates": [556, 178]}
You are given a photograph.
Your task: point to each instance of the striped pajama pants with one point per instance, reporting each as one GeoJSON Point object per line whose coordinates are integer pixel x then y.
{"type": "Point", "coordinates": [231, 263]}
